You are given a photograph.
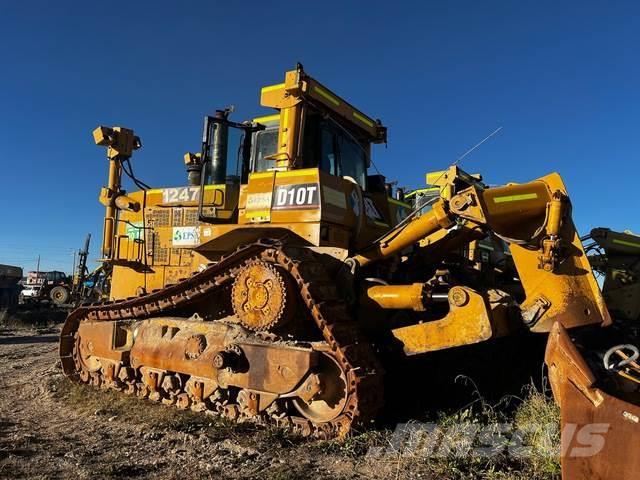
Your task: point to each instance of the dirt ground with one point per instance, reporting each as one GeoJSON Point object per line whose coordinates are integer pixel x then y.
{"type": "Point", "coordinates": [50, 428]}
{"type": "Point", "coordinates": [53, 428]}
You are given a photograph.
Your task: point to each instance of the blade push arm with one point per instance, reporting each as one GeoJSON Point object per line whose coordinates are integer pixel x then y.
{"type": "Point", "coordinates": [523, 214]}
{"type": "Point", "coordinates": [534, 219]}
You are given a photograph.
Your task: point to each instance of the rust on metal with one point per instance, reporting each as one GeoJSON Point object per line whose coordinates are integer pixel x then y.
{"type": "Point", "coordinates": [262, 297]}
{"type": "Point", "coordinates": [223, 367]}
{"type": "Point", "coordinates": [598, 427]}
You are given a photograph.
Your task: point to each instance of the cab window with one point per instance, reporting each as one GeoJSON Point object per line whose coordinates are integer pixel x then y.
{"type": "Point", "coordinates": [266, 143]}
{"type": "Point", "coordinates": [352, 159]}
{"type": "Point", "coordinates": [340, 154]}
{"type": "Point", "coordinates": [328, 155]}
{"type": "Point", "coordinates": [325, 145]}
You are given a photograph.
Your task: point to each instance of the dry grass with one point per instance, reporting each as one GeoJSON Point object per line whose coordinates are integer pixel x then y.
{"type": "Point", "coordinates": [540, 417]}
{"type": "Point", "coordinates": [457, 457]}
{"type": "Point", "coordinates": [536, 419]}
{"type": "Point", "coordinates": [86, 400]}
{"type": "Point", "coordinates": [114, 405]}
{"type": "Point", "coordinates": [33, 318]}
{"type": "Point", "coordinates": [459, 460]}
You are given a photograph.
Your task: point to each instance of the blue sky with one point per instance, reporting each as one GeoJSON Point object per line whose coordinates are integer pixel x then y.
{"type": "Point", "coordinates": [561, 78]}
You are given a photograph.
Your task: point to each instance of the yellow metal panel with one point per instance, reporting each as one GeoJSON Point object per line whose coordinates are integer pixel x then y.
{"type": "Point", "coordinates": [299, 173]}
{"type": "Point", "coordinates": [515, 198]}
{"type": "Point", "coordinates": [258, 214]}
{"type": "Point", "coordinates": [223, 238]}
{"type": "Point", "coordinates": [325, 94]}
{"type": "Point", "coordinates": [288, 214]}
{"type": "Point", "coordinates": [255, 176]}
{"type": "Point", "coordinates": [267, 118]}
{"type": "Point", "coordinates": [466, 323]}
{"type": "Point", "coordinates": [258, 196]}
{"type": "Point", "coordinates": [334, 209]}
{"type": "Point", "coordinates": [271, 88]}
{"type": "Point", "coordinates": [307, 175]}
{"type": "Point", "coordinates": [433, 177]}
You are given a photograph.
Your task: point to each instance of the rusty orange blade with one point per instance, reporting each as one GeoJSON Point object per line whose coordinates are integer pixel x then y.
{"type": "Point", "coordinates": [600, 430]}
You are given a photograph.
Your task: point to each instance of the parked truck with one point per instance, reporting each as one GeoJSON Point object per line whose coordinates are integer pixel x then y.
{"type": "Point", "coordinates": [54, 287]}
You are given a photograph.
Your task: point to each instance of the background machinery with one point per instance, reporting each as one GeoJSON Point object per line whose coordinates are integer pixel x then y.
{"type": "Point", "coordinates": [276, 284]}
{"type": "Point", "coordinates": [62, 290]}
{"type": "Point", "coordinates": [90, 286]}
{"type": "Point", "coordinates": [9, 286]}
{"type": "Point", "coordinates": [51, 287]}
{"type": "Point", "coordinates": [616, 256]}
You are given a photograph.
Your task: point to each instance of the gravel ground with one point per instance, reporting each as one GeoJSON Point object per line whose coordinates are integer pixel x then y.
{"type": "Point", "coordinates": [51, 428]}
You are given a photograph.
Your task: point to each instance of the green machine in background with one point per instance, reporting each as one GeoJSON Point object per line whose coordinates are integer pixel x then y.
{"type": "Point", "coordinates": [616, 255]}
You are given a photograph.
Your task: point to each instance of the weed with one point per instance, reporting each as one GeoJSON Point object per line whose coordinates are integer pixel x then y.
{"type": "Point", "coordinates": [461, 456]}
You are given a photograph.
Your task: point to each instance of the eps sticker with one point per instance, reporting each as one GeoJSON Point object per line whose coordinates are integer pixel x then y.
{"type": "Point", "coordinates": [134, 230]}
{"type": "Point", "coordinates": [303, 195]}
{"type": "Point", "coordinates": [185, 236]}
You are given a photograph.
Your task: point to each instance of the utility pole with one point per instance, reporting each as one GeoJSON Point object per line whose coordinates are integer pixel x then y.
{"type": "Point", "coordinates": [38, 265]}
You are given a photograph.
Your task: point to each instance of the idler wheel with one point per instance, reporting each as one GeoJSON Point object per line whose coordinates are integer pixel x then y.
{"type": "Point", "coordinates": [328, 401]}
{"type": "Point", "coordinates": [263, 297]}
{"type": "Point", "coordinates": [83, 352]}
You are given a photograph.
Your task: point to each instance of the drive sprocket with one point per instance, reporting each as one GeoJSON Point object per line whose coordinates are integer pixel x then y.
{"type": "Point", "coordinates": [262, 297]}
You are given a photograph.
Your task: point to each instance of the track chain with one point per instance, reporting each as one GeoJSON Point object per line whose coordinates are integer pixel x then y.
{"type": "Point", "coordinates": [322, 300]}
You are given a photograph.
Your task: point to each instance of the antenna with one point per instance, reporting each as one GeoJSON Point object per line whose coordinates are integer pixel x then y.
{"type": "Point", "coordinates": [477, 145]}
{"type": "Point", "coordinates": [468, 152]}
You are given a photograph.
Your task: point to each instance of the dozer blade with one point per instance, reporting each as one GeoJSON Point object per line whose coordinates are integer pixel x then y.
{"type": "Point", "coordinates": [600, 430]}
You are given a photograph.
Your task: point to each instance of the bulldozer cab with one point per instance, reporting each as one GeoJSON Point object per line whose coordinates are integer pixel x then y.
{"type": "Point", "coordinates": [325, 137]}
{"type": "Point", "coordinates": [301, 172]}
{"type": "Point", "coordinates": [325, 145]}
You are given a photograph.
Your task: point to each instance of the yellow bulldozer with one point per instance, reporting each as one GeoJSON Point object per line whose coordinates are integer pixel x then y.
{"type": "Point", "coordinates": [265, 288]}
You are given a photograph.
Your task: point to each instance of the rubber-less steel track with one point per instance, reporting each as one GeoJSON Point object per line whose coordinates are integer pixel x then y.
{"type": "Point", "coordinates": [320, 296]}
